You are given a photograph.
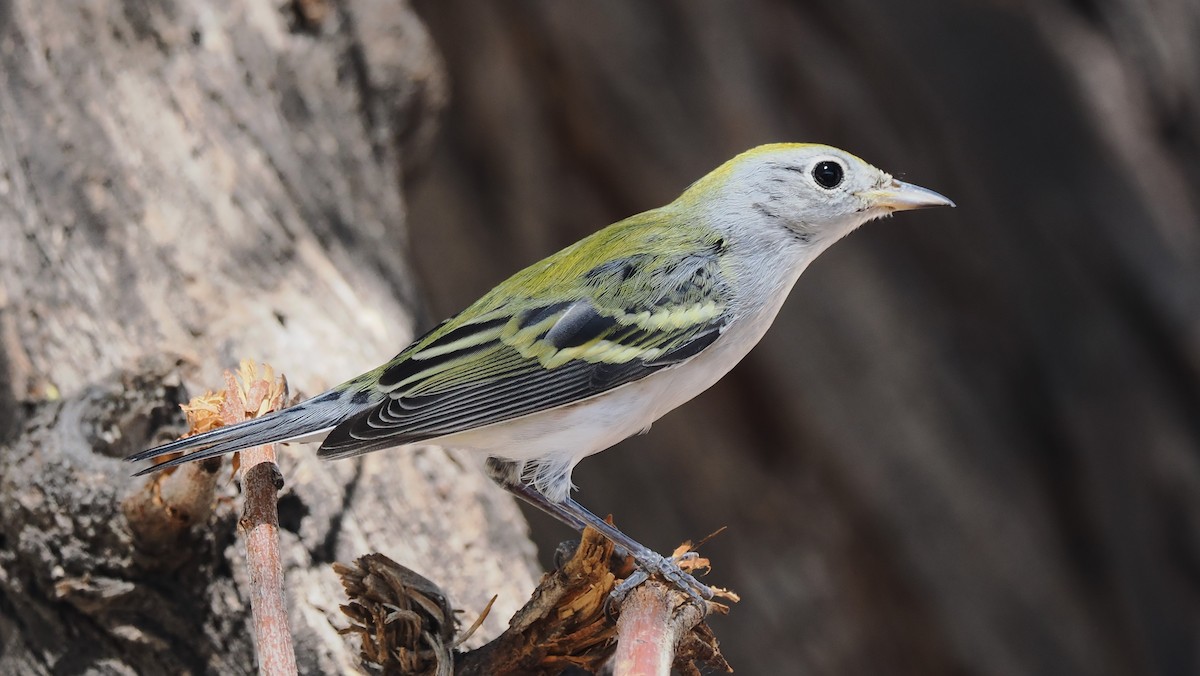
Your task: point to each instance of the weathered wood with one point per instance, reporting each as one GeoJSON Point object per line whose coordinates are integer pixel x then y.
{"type": "Point", "coordinates": [183, 185]}
{"type": "Point", "coordinates": [572, 621]}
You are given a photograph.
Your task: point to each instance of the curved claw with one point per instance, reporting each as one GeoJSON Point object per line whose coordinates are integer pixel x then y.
{"type": "Point", "coordinates": [650, 563]}
{"type": "Point", "coordinates": [627, 585]}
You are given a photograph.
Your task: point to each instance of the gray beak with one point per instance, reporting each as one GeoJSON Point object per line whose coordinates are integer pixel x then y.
{"type": "Point", "coordinates": [901, 196]}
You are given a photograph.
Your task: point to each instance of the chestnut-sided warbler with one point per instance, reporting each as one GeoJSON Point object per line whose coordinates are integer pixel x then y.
{"type": "Point", "coordinates": [593, 344]}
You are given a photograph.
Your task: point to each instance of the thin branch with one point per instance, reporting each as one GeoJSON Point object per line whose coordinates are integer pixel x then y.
{"type": "Point", "coordinates": [261, 480]}
{"type": "Point", "coordinates": [176, 499]}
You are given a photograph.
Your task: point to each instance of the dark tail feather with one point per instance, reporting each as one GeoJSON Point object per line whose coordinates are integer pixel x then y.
{"type": "Point", "coordinates": [304, 419]}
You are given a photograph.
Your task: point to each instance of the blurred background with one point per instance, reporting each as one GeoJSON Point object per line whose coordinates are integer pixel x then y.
{"type": "Point", "coordinates": [969, 445]}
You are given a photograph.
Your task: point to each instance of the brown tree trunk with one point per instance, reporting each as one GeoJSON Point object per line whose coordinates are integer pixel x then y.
{"type": "Point", "coordinates": [183, 185]}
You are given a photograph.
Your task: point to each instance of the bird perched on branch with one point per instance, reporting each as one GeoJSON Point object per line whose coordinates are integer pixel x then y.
{"type": "Point", "coordinates": [593, 344]}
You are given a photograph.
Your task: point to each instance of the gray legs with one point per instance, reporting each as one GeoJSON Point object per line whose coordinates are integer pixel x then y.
{"type": "Point", "coordinates": [577, 516]}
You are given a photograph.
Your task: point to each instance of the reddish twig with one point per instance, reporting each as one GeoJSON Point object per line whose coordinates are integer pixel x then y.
{"type": "Point", "coordinates": [654, 619]}
{"type": "Point", "coordinates": [261, 481]}
{"type": "Point", "coordinates": [259, 524]}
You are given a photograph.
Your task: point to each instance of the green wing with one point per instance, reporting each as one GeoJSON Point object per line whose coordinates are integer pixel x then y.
{"type": "Point", "coordinates": [507, 356]}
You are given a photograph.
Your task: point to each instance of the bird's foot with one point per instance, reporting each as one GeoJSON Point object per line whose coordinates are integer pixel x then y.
{"type": "Point", "coordinates": [652, 563]}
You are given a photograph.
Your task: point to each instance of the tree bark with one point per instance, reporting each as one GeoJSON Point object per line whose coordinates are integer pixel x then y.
{"type": "Point", "coordinates": [183, 185]}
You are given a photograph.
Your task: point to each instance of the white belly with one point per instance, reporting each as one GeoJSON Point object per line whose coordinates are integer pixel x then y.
{"type": "Point", "coordinates": [559, 438]}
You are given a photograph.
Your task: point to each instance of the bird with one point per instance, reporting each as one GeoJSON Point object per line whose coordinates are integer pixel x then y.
{"type": "Point", "coordinates": [592, 344]}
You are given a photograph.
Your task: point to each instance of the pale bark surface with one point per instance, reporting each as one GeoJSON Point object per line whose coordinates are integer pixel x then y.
{"type": "Point", "coordinates": [184, 185]}
{"type": "Point", "coordinates": [970, 445]}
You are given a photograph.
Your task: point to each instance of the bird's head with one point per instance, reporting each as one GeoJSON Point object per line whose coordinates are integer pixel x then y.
{"type": "Point", "coordinates": [816, 193]}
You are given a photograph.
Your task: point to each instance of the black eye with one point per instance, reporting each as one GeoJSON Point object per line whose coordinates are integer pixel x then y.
{"type": "Point", "coordinates": [827, 174]}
